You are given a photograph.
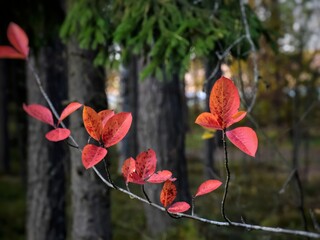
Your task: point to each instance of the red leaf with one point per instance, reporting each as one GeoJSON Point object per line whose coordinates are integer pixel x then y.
{"type": "Point", "coordinates": [68, 110]}
{"type": "Point", "coordinates": [146, 163]}
{"type": "Point", "coordinates": [224, 101]}
{"type": "Point", "coordinates": [18, 38]}
{"type": "Point", "coordinates": [168, 193]}
{"type": "Point", "coordinates": [128, 167]}
{"type": "Point", "coordinates": [245, 139]}
{"type": "Point", "coordinates": [10, 52]}
{"type": "Point", "coordinates": [92, 154]}
{"type": "Point", "coordinates": [116, 128]}
{"type": "Point", "coordinates": [92, 122]}
{"type": "Point", "coordinates": [105, 115]}
{"type": "Point", "coordinates": [207, 187]}
{"type": "Point", "coordinates": [39, 112]}
{"type": "Point", "coordinates": [58, 134]}
{"type": "Point", "coordinates": [160, 176]}
{"type": "Point", "coordinates": [237, 117]}
{"type": "Point", "coordinates": [179, 207]}
{"type": "Point", "coordinates": [135, 178]}
{"type": "Point", "coordinates": [208, 120]}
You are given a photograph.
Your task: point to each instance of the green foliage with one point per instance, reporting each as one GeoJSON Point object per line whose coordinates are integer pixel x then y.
{"type": "Point", "coordinates": [165, 33]}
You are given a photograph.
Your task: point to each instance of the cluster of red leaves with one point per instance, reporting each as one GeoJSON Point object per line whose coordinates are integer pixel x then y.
{"type": "Point", "coordinates": [224, 104]}
{"type": "Point", "coordinates": [107, 128]}
{"type": "Point", "coordinates": [19, 41]}
{"type": "Point", "coordinates": [44, 114]}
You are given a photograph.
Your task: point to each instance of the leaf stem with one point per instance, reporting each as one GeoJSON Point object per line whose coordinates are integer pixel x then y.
{"type": "Point", "coordinates": [192, 205]}
{"type": "Point", "coordinates": [145, 193]}
{"type": "Point", "coordinates": [224, 198]}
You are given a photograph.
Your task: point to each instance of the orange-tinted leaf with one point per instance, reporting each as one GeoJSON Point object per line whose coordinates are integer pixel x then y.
{"type": "Point", "coordinates": [208, 120]}
{"type": "Point", "coordinates": [207, 187]}
{"type": "Point", "coordinates": [92, 122]}
{"type": "Point", "coordinates": [58, 134]}
{"type": "Point", "coordinates": [160, 176]}
{"type": "Point", "coordinates": [92, 154]}
{"type": "Point", "coordinates": [18, 38]}
{"type": "Point", "coordinates": [10, 52]}
{"type": "Point", "coordinates": [168, 193]}
{"type": "Point", "coordinates": [116, 128]}
{"type": "Point", "coordinates": [146, 163]}
{"type": "Point", "coordinates": [224, 101]}
{"type": "Point", "coordinates": [128, 167]}
{"type": "Point", "coordinates": [105, 115]}
{"type": "Point", "coordinates": [179, 207]}
{"type": "Point", "coordinates": [237, 117]}
{"type": "Point", "coordinates": [39, 112]}
{"type": "Point", "coordinates": [68, 110]}
{"type": "Point", "coordinates": [245, 139]}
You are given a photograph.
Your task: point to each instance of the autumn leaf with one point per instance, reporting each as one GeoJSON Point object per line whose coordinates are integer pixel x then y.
{"type": "Point", "coordinates": [168, 193]}
{"type": "Point", "coordinates": [105, 115]}
{"type": "Point", "coordinates": [58, 134]}
{"type": "Point", "coordinates": [128, 167]}
{"type": "Point", "coordinates": [146, 163]}
{"type": "Point", "coordinates": [92, 154]}
{"type": "Point", "coordinates": [179, 207]}
{"type": "Point", "coordinates": [245, 139]}
{"type": "Point", "coordinates": [39, 112]}
{"type": "Point", "coordinates": [68, 110]}
{"type": "Point", "coordinates": [160, 176]}
{"type": "Point", "coordinates": [19, 41]}
{"type": "Point", "coordinates": [92, 122]}
{"type": "Point", "coordinates": [207, 187]}
{"type": "Point", "coordinates": [116, 128]}
{"type": "Point", "coordinates": [224, 103]}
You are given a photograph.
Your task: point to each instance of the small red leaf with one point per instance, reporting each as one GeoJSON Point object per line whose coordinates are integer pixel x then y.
{"type": "Point", "coordinates": [39, 112]}
{"type": "Point", "coordinates": [208, 120]}
{"type": "Point", "coordinates": [68, 110]}
{"type": "Point", "coordinates": [116, 128]}
{"type": "Point", "coordinates": [92, 154]}
{"type": "Point", "coordinates": [10, 52]}
{"type": "Point", "coordinates": [207, 187]}
{"type": "Point", "coordinates": [18, 38]}
{"type": "Point", "coordinates": [179, 207]}
{"type": "Point", "coordinates": [92, 122]}
{"type": "Point", "coordinates": [146, 163]}
{"type": "Point", "coordinates": [245, 139]}
{"type": "Point", "coordinates": [105, 115]}
{"type": "Point", "coordinates": [58, 134]}
{"type": "Point", "coordinates": [236, 118]}
{"type": "Point", "coordinates": [168, 193]}
{"type": "Point", "coordinates": [160, 176]}
{"type": "Point", "coordinates": [128, 167]}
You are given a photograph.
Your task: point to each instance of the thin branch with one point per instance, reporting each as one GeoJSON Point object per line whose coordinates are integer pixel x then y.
{"type": "Point", "coordinates": [224, 198]}
{"type": "Point", "coordinates": [204, 220]}
{"type": "Point", "coordinates": [254, 55]}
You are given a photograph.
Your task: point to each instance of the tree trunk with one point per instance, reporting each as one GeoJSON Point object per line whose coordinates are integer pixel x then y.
{"type": "Point", "coordinates": [129, 102]}
{"type": "Point", "coordinates": [161, 127]}
{"type": "Point", "coordinates": [90, 197]}
{"type": "Point", "coordinates": [211, 144]}
{"type": "Point", "coordinates": [46, 160]}
{"type": "Point", "coordinates": [4, 140]}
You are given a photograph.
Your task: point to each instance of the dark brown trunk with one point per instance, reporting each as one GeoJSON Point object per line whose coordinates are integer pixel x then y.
{"type": "Point", "coordinates": [89, 196]}
{"type": "Point", "coordinates": [46, 160]}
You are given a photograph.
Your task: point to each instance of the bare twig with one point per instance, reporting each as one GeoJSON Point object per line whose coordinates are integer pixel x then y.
{"type": "Point", "coordinates": [254, 55]}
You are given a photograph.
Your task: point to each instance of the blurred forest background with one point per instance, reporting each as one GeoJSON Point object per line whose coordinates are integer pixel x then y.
{"type": "Point", "coordinates": [158, 60]}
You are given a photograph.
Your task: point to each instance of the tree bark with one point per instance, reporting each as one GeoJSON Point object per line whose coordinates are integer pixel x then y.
{"type": "Point", "coordinates": [46, 218]}
{"type": "Point", "coordinates": [4, 140]}
{"type": "Point", "coordinates": [161, 127]}
{"type": "Point", "coordinates": [90, 198]}
{"type": "Point", "coordinates": [129, 103]}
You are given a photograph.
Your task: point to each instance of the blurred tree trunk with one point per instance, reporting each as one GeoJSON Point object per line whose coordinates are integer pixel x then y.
{"type": "Point", "coordinates": [161, 126]}
{"type": "Point", "coordinates": [129, 103]}
{"type": "Point", "coordinates": [46, 218]}
{"type": "Point", "coordinates": [89, 196]}
{"type": "Point", "coordinates": [4, 140]}
{"type": "Point", "coordinates": [211, 144]}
